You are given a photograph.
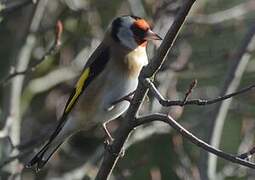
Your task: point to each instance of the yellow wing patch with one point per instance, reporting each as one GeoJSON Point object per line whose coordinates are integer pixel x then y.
{"type": "Point", "coordinates": [78, 89]}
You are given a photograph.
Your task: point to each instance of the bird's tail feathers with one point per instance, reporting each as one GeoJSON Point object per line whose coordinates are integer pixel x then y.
{"type": "Point", "coordinates": [42, 157]}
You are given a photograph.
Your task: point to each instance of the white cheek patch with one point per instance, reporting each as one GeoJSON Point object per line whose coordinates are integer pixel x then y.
{"type": "Point", "coordinates": [126, 38]}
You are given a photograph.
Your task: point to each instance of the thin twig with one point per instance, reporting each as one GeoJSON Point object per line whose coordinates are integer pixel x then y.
{"type": "Point", "coordinates": [110, 160]}
{"type": "Point", "coordinates": [169, 120]}
{"type": "Point", "coordinates": [199, 102]}
{"type": "Point", "coordinates": [189, 91]}
{"type": "Point", "coordinates": [52, 50]}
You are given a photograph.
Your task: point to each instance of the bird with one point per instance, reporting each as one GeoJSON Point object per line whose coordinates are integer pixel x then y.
{"type": "Point", "coordinates": [110, 74]}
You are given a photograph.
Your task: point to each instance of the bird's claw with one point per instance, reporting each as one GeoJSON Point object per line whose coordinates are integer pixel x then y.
{"type": "Point", "coordinates": [108, 144]}
{"type": "Point", "coordinates": [108, 141]}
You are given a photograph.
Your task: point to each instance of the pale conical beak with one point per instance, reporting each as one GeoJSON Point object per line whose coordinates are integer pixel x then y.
{"type": "Point", "coordinates": [150, 35]}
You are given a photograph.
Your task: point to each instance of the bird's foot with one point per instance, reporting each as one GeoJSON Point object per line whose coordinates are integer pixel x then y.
{"type": "Point", "coordinates": [108, 141]}
{"type": "Point", "coordinates": [108, 145]}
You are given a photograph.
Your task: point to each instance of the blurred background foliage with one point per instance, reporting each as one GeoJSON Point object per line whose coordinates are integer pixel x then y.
{"type": "Point", "coordinates": [204, 50]}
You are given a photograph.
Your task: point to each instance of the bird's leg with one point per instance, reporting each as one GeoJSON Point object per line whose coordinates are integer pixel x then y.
{"type": "Point", "coordinates": [128, 98]}
{"type": "Point", "coordinates": [108, 142]}
{"type": "Point", "coordinates": [109, 138]}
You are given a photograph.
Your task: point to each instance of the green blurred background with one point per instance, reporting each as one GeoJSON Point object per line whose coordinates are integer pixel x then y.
{"type": "Point", "coordinates": [204, 50]}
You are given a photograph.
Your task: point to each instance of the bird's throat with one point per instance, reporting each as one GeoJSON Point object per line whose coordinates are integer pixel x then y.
{"type": "Point", "coordinates": [135, 60]}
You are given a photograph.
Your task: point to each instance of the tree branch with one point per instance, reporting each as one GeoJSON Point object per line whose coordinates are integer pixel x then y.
{"type": "Point", "coordinates": [51, 51]}
{"type": "Point", "coordinates": [170, 121]}
{"type": "Point", "coordinates": [200, 102]}
{"type": "Point", "coordinates": [110, 159]}
{"type": "Point", "coordinates": [235, 12]}
{"type": "Point", "coordinates": [248, 154]}
{"type": "Point", "coordinates": [10, 6]}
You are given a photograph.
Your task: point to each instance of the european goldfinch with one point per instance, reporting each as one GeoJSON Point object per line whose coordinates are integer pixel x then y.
{"type": "Point", "coordinates": [110, 74]}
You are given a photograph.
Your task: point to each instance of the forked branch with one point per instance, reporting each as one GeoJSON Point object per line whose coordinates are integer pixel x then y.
{"type": "Point", "coordinates": [200, 102]}
{"type": "Point", "coordinates": [109, 159]}
{"type": "Point", "coordinates": [170, 121]}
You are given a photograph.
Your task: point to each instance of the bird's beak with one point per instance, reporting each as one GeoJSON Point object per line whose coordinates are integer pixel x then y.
{"type": "Point", "coordinates": [150, 35]}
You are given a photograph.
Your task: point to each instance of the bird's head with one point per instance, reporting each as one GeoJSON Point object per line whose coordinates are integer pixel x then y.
{"type": "Point", "coordinates": [132, 31]}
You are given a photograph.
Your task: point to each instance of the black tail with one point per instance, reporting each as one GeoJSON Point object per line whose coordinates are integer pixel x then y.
{"type": "Point", "coordinates": [39, 160]}
{"type": "Point", "coordinates": [42, 157]}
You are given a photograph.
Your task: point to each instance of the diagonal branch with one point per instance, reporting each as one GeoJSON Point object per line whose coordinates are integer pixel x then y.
{"type": "Point", "coordinates": [170, 121]}
{"type": "Point", "coordinates": [110, 159]}
{"type": "Point", "coordinates": [239, 11]}
{"type": "Point", "coordinates": [10, 6]}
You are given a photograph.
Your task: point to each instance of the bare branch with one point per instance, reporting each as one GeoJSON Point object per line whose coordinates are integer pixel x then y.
{"type": "Point", "coordinates": [110, 158]}
{"type": "Point", "coordinates": [248, 154]}
{"type": "Point", "coordinates": [52, 50]}
{"type": "Point", "coordinates": [199, 102]}
{"type": "Point", "coordinates": [123, 132]}
{"type": "Point", "coordinates": [10, 6]}
{"type": "Point", "coordinates": [225, 15]}
{"type": "Point", "coordinates": [169, 120]}
{"type": "Point", "coordinates": [189, 91]}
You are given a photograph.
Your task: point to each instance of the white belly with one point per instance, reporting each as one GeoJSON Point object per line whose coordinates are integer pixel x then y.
{"type": "Point", "coordinates": [118, 88]}
{"type": "Point", "coordinates": [95, 105]}
{"type": "Point", "coordinates": [96, 102]}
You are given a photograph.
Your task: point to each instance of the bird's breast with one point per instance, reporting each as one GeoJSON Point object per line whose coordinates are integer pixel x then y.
{"type": "Point", "coordinates": [135, 60]}
{"type": "Point", "coordinates": [118, 79]}
{"type": "Point", "coordinates": [97, 102]}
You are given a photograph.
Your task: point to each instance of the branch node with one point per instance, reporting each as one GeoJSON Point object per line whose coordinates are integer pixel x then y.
{"type": "Point", "coordinates": [247, 155]}
{"type": "Point", "coordinates": [189, 91]}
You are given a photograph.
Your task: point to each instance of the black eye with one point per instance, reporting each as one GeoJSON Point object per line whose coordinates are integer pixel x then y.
{"type": "Point", "coordinates": [138, 31]}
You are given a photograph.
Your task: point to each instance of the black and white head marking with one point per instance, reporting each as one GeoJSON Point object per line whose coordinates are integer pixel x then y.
{"type": "Point", "coordinates": [122, 32]}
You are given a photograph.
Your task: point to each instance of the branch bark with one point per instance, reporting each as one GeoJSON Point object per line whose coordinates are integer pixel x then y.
{"type": "Point", "coordinates": [167, 119]}
{"type": "Point", "coordinates": [110, 158]}
{"type": "Point", "coordinates": [200, 102]}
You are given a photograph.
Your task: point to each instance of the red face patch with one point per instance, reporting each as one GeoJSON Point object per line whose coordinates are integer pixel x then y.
{"type": "Point", "coordinates": [139, 28]}
{"type": "Point", "coordinates": [142, 24]}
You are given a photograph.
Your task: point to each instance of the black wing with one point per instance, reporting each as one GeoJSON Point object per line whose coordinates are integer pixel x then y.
{"type": "Point", "coordinates": [92, 69]}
